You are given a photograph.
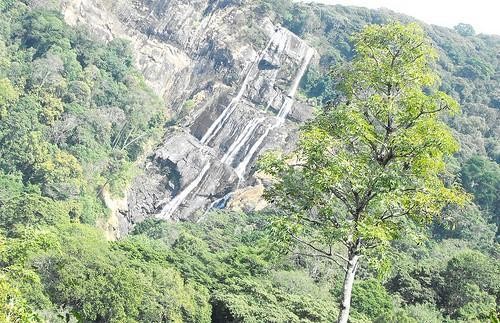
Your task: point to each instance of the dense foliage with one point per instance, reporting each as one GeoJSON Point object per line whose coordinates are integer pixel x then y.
{"type": "Point", "coordinates": [370, 168]}
{"type": "Point", "coordinates": [75, 115]}
{"type": "Point", "coordinates": [74, 112]}
{"type": "Point", "coordinates": [468, 67]}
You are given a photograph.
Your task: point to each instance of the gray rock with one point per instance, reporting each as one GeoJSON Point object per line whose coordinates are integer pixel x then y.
{"type": "Point", "coordinates": [193, 50]}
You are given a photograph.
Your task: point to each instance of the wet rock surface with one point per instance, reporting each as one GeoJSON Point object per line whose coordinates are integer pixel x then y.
{"type": "Point", "coordinates": [232, 99]}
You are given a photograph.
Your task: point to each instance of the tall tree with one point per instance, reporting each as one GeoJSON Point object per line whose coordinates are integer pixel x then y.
{"type": "Point", "coordinates": [372, 167]}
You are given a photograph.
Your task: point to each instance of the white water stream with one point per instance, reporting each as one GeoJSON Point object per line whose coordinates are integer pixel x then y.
{"type": "Point", "coordinates": [277, 43]}
{"type": "Point", "coordinates": [282, 114]}
{"type": "Point", "coordinates": [170, 208]}
{"type": "Point", "coordinates": [279, 37]}
{"type": "Point", "coordinates": [233, 150]}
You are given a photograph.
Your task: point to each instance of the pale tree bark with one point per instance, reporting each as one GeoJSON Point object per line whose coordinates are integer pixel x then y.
{"type": "Point", "coordinates": [352, 266]}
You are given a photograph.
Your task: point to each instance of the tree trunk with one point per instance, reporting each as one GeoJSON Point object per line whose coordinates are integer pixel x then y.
{"type": "Point", "coordinates": [352, 266]}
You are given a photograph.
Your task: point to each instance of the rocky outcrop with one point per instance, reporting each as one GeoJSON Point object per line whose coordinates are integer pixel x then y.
{"type": "Point", "coordinates": [232, 95]}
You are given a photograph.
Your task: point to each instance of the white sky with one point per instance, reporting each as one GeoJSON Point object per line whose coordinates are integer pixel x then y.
{"type": "Point", "coordinates": [483, 15]}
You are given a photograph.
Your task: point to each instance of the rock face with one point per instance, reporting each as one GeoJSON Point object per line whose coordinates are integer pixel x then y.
{"type": "Point", "coordinates": [228, 76]}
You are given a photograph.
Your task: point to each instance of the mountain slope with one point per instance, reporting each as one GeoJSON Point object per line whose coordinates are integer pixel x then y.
{"type": "Point", "coordinates": [82, 126]}
{"type": "Point", "coordinates": [199, 54]}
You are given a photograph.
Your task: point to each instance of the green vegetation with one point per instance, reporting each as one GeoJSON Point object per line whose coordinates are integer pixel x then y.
{"type": "Point", "coordinates": [368, 166]}
{"type": "Point", "coordinates": [74, 112]}
{"type": "Point", "coordinates": [75, 116]}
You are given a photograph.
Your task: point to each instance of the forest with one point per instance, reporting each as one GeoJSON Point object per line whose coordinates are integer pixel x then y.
{"type": "Point", "coordinates": [76, 116]}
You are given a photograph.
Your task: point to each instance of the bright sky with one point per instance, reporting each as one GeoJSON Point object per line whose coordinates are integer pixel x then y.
{"type": "Point", "coordinates": [483, 15]}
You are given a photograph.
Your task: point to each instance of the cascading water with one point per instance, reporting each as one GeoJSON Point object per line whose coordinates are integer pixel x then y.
{"type": "Point", "coordinates": [217, 204]}
{"type": "Point", "coordinates": [247, 132]}
{"type": "Point", "coordinates": [172, 206]}
{"type": "Point", "coordinates": [281, 40]}
{"type": "Point", "coordinates": [279, 37]}
{"type": "Point", "coordinates": [226, 113]}
{"type": "Point", "coordinates": [282, 114]}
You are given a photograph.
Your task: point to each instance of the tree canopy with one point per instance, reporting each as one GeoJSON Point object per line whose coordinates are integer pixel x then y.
{"type": "Point", "coordinates": [75, 115]}
{"type": "Point", "coordinates": [369, 169]}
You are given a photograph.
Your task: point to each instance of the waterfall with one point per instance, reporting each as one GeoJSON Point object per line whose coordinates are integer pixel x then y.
{"type": "Point", "coordinates": [282, 114]}
{"type": "Point", "coordinates": [170, 208]}
{"type": "Point", "coordinates": [233, 150]}
{"type": "Point", "coordinates": [242, 139]}
{"type": "Point", "coordinates": [280, 37]}
{"type": "Point", "coordinates": [271, 100]}
{"type": "Point", "coordinates": [217, 204]}
{"type": "Point", "coordinates": [275, 47]}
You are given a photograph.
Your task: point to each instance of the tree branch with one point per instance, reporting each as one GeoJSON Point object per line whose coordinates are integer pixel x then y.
{"type": "Point", "coordinates": [322, 256]}
{"type": "Point", "coordinates": [310, 245]}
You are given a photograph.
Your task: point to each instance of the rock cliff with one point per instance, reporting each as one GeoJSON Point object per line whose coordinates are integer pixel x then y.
{"type": "Point", "coordinates": [229, 78]}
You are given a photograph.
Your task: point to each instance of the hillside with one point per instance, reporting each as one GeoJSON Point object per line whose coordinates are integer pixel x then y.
{"type": "Point", "coordinates": [129, 191]}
